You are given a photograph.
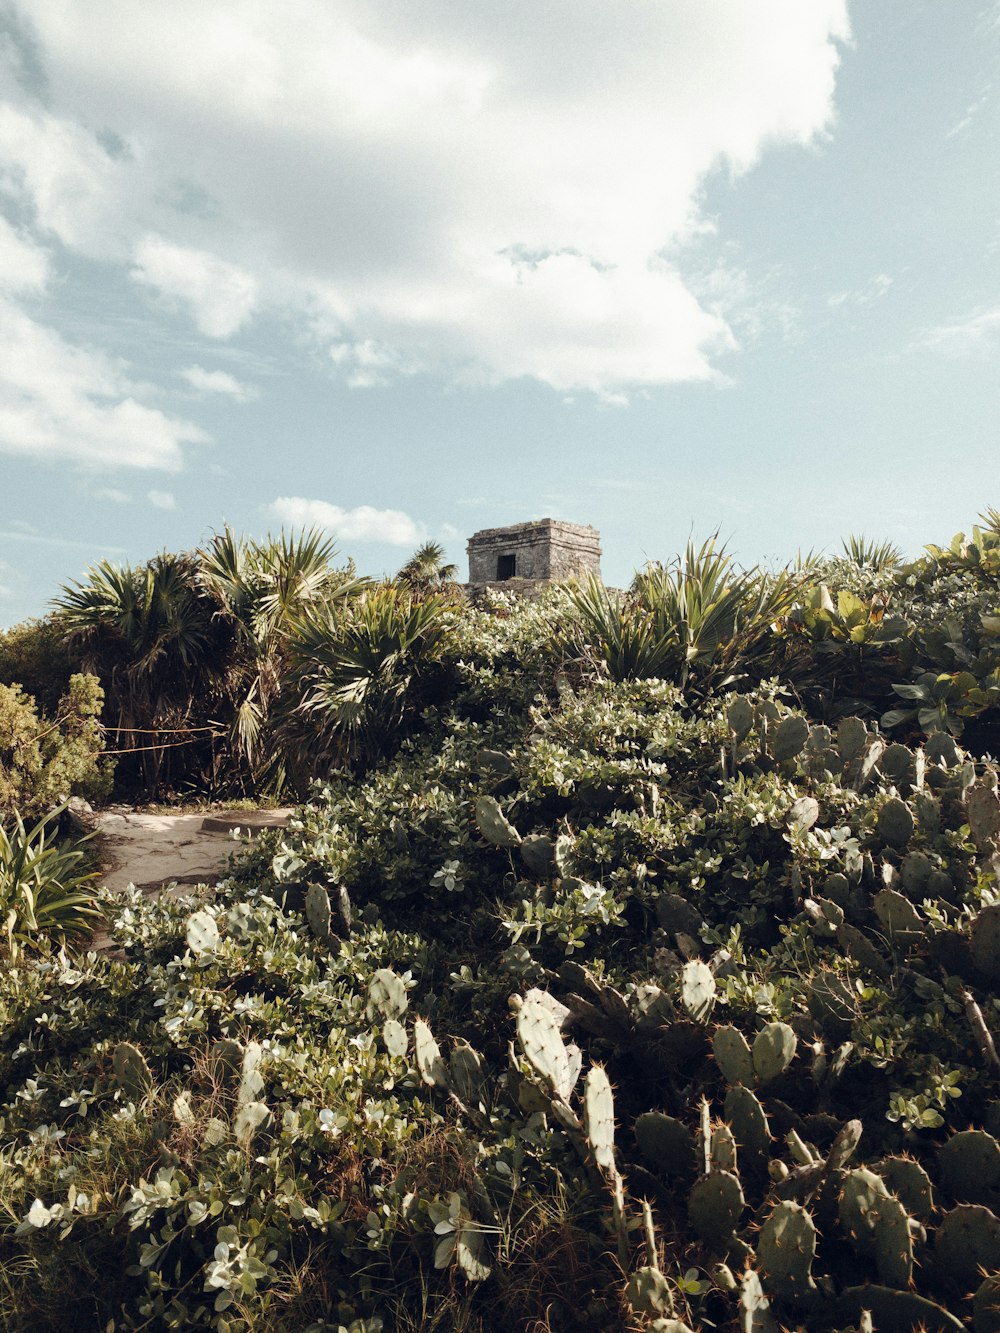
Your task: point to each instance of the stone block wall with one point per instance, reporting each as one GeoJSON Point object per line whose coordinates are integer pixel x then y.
{"type": "Point", "coordinates": [546, 551]}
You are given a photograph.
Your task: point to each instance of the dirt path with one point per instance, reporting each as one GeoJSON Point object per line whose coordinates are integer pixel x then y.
{"type": "Point", "coordinates": [151, 851]}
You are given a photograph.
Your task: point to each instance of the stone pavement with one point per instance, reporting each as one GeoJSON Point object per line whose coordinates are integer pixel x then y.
{"type": "Point", "coordinates": [151, 851]}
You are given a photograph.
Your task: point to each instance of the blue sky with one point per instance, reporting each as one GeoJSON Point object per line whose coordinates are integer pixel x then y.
{"type": "Point", "coordinates": [407, 271]}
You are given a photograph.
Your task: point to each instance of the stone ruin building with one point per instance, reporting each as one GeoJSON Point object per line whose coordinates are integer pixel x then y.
{"type": "Point", "coordinates": [527, 556]}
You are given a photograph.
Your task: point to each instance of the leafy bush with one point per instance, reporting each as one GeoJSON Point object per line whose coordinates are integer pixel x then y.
{"type": "Point", "coordinates": [47, 893]}
{"type": "Point", "coordinates": [43, 761]}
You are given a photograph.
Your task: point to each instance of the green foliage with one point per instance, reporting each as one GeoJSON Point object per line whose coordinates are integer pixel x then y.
{"type": "Point", "coordinates": [47, 893]}
{"type": "Point", "coordinates": [44, 761]}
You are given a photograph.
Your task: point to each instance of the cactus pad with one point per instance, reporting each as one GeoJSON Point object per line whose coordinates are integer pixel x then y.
{"type": "Point", "coordinates": [431, 1067]}
{"type": "Point", "coordinates": [861, 1194]}
{"type": "Point", "coordinates": [201, 933]}
{"type": "Point", "coordinates": [740, 716]}
{"type": "Point", "coordinates": [698, 989]}
{"type": "Point", "coordinates": [494, 826]}
{"type": "Point", "coordinates": [910, 1183]}
{"type": "Point", "coordinates": [968, 1167]}
{"type": "Point", "coordinates": [599, 1117]}
{"type": "Point", "coordinates": [716, 1206]}
{"type": "Point", "coordinates": [539, 854]}
{"type": "Point", "coordinates": [666, 1144]}
{"type": "Point", "coordinates": [788, 737]}
{"type": "Point", "coordinates": [722, 1149]}
{"type": "Point", "coordinates": [832, 1003]}
{"type": "Point", "coordinates": [773, 1051]}
{"type": "Point", "coordinates": [893, 1243]}
{"type": "Point", "coordinates": [852, 737]}
{"type": "Point", "coordinates": [553, 1061]}
{"type": "Point", "coordinates": [967, 1241]}
{"type": "Point", "coordinates": [983, 810]}
{"type": "Point", "coordinates": [387, 992]}
{"type": "Point", "coordinates": [318, 911]}
{"type": "Point", "coordinates": [986, 1306]}
{"type": "Point", "coordinates": [465, 1069]}
{"type": "Point", "coordinates": [748, 1122]}
{"type": "Point", "coordinates": [733, 1055]}
{"type": "Point", "coordinates": [896, 913]}
{"type": "Point", "coordinates": [985, 942]}
{"type": "Point", "coordinates": [895, 822]}
{"type": "Point", "coordinates": [755, 1308]}
{"type": "Point", "coordinates": [131, 1072]}
{"type": "Point", "coordinates": [786, 1248]}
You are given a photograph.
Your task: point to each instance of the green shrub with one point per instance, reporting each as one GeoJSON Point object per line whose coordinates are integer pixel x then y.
{"type": "Point", "coordinates": [47, 893]}
{"type": "Point", "coordinates": [43, 761]}
{"type": "Point", "coordinates": [35, 656]}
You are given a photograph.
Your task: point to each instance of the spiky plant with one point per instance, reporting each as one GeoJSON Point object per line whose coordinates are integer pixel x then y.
{"type": "Point", "coordinates": [876, 556]}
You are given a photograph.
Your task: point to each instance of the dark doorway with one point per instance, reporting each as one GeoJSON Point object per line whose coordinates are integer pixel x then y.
{"type": "Point", "coordinates": [506, 567]}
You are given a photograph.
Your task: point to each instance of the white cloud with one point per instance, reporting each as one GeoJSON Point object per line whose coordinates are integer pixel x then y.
{"type": "Point", "coordinates": [363, 524]}
{"type": "Point", "coordinates": [872, 291]}
{"type": "Point", "coordinates": [161, 499]}
{"type": "Point", "coordinates": [24, 266]}
{"type": "Point", "coordinates": [219, 296]}
{"type": "Point", "coordinates": [427, 189]}
{"type": "Point", "coordinates": [218, 381]}
{"type": "Point", "coordinates": [58, 400]}
{"type": "Point", "coordinates": [113, 495]}
{"type": "Point", "coordinates": [975, 332]}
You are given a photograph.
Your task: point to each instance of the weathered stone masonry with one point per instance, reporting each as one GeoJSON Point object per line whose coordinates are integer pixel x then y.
{"type": "Point", "coordinates": [546, 551]}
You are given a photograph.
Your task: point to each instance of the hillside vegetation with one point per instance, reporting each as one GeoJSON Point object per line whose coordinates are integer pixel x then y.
{"type": "Point", "coordinates": [631, 963]}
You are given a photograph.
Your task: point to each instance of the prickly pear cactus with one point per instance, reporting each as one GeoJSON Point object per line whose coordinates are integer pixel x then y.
{"type": "Point", "coordinates": [755, 1308]}
{"type": "Point", "coordinates": [555, 1062]}
{"type": "Point", "coordinates": [986, 1306]}
{"type": "Point", "coordinates": [896, 913]}
{"type": "Point", "coordinates": [465, 1067]}
{"type": "Point", "coordinates": [387, 992]}
{"type": "Point", "coordinates": [430, 1066]}
{"type": "Point", "coordinates": [911, 1184]}
{"type": "Point", "coordinates": [748, 1122]}
{"type": "Point", "coordinates": [251, 1080]}
{"type": "Point", "coordinates": [131, 1072]}
{"type": "Point", "coordinates": [733, 1056]}
{"type": "Point", "coordinates": [861, 1194]}
{"type": "Point", "coordinates": [895, 823]}
{"type": "Point", "coordinates": [698, 990]}
{"type": "Point", "coordinates": [318, 911]}
{"type": "Point", "coordinates": [832, 1003]}
{"type": "Point", "coordinates": [967, 1244]}
{"type": "Point", "coordinates": [715, 1207]}
{"type": "Point", "coordinates": [202, 934]}
{"type": "Point", "coordinates": [722, 1149]}
{"type": "Point", "coordinates": [985, 942]}
{"type": "Point", "coordinates": [494, 826]}
{"type": "Point", "coordinates": [773, 1051]}
{"type": "Point", "coordinates": [786, 1249]}
{"type": "Point", "coordinates": [539, 854]}
{"type": "Point", "coordinates": [983, 809]}
{"type": "Point", "coordinates": [893, 1243]}
{"type": "Point", "coordinates": [599, 1117]}
{"type": "Point", "coordinates": [968, 1166]}
{"type": "Point", "coordinates": [666, 1144]}
{"type": "Point", "coordinates": [788, 737]}
{"type": "Point", "coordinates": [740, 717]}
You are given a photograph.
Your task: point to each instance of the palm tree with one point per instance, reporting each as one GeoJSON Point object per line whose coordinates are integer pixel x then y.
{"type": "Point", "coordinates": [355, 675]}
{"type": "Point", "coordinates": [260, 589]}
{"type": "Point", "coordinates": [426, 569]}
{"type": "Point", "coordinates": [147, 631]}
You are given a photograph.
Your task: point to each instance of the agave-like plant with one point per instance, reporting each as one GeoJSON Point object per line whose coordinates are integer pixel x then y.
{"type": "Point", "coordinates": [46, 893]}
{"type": "Point", "coordinates": [354, 670]}
{"type": "Point", "coordinates": [698, 622]}
{"type": "Point", "coordinates": [879, 557]}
